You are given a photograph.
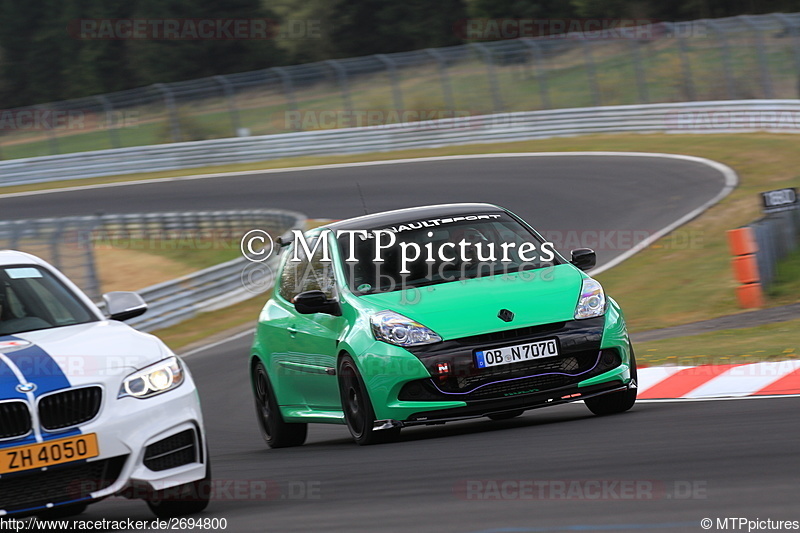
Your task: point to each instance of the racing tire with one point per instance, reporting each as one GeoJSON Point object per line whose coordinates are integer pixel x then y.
{"type": "Point", "coordinates": [358, 412]}
{"type": "Point", "coordinates": [508, 415]}
{"type": "Point", "coordinates": [277, 433]}
{"type": "Point", "coordinates": [616, 402]}
{"type": "Point", "coordinates": [189, 498]}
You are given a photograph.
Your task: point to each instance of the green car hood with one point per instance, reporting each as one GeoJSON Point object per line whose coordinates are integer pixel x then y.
{"type": "Point", "coordinates": [470, 307]}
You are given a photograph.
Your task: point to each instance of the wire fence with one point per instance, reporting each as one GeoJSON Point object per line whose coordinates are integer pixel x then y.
{"type": "Point", "coordinates": [71, 244]}
{"type": "Point", "coordinates": [745, 57]}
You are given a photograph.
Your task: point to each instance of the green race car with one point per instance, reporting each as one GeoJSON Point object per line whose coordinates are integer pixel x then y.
{"type": "Point", "coordinates": [428, 315]}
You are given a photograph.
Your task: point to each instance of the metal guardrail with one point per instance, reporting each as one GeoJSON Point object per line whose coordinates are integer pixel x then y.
{"type": "Point", "coordinates": [776, 235]}
{"type": "Point", "coordinates": [688, 117]}
{"type": "Point", "coordinates": [70, 244]}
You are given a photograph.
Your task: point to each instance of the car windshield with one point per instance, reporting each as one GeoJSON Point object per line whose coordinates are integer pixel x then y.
{"type": "Point", "coordinates": [31, 298]}
{"type": "Point", "coordinates": [429, 252]}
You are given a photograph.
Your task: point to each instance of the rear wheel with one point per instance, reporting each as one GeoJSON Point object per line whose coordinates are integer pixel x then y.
{"type": "Point", "coordinates": [357, 407]}
{"type": "Point", "coordinates": [276, 432]}
{"type": "Point", "coordinates": [508, 415]}
{"type": "Point", "coordinates": [616, 402]}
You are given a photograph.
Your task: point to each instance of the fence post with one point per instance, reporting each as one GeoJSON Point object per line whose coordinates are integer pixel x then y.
{"type": "Point", "coordinates": [745, 267]}
{"type": "Point", "coordinates": [341, 77]}
{"type": "Point", "coordinates": [108, 109]}
{"type": "Point", "coordinates": [641, 82]}
{"type": "Point", "coordinates": [391, 68]}
{"type": "Point", "coordinates": [447, 90]}
{"type": "Point", "coordinates": [591, 72]}
{"type": "Point", "coordinates": [230, 96]}
{"type": "Point", "coordinates": [763, 69]}
{"type": "Point", "coordinates": [172, 111]}
{"type": "Point", "coordinates": [795, 35]}
{"type": "Point", "coordinates": [51, 134]}
{"type": "Point", "coordinates": [725, 52]}
{"type": "Point", "coordinates": [541, 75]}
{"type": "Point", "coordinates": [497, 103]}
{"type": "Point", "coordinates": [288, 86]}
{"type": "Point", "coordinates": [683, 51]}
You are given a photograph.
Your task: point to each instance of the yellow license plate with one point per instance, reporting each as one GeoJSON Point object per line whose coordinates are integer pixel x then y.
{"type": "Point", "coordinates": [52, 452]}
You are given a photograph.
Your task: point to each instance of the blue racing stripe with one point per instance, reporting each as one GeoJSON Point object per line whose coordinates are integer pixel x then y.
{"type": "Point", "coordinates": [39, 368]}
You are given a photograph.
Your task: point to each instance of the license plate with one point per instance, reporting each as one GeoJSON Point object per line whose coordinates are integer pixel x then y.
{"type": "Point", "coordinates": [516, 354]}
{"type": "Point", "coordinates": [48, 453]}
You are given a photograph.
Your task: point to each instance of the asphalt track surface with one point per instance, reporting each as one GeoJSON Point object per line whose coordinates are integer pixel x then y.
{"type": "Point", "coordinates": [618, 198]}
{"type": "Point", "coordinates": [663, 466]}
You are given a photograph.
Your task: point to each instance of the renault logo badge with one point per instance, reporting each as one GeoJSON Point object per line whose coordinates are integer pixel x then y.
{"type": "Point", "coordinates": [26, 387]}
{"type": "Point", "coordinates": [505, 315]}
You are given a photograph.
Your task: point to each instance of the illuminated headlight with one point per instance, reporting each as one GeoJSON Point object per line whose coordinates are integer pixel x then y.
{"type": "Point", "coordinates": [394, 328]}
{"type": "Point", "coordinates": [155, 379]}
{"type": "Point", "coordinates": [592, 302]}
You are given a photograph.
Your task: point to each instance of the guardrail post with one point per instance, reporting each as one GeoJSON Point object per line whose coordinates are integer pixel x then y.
{"type": "Point", "coordinates": [541, 74]}
{"type": "Point", "coordinates": [391, 68]}
{"type": "Point", "coordinates": [725, 52]}
{"type": "Point", "coordinates": [108, 109]}
{"type": "Point", "coordinates": [497, 103]}
{"type": "Point", "coordinates": [763, 69]}
{"type": "Point", "coordinates": [447, 89]}
{"type": "Point", "coordinates": [230, 96]}
{"type": "Point", "coordinates": [341, 77]}
{"type": "Point", "coordinates": [745, 267]}
{"type": "Point", "coordinates": [594, 88]}
{"type": "Point", "coordinates": [172, 111]}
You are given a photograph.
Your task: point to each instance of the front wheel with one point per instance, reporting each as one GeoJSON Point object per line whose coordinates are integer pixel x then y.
{"type": "Point", "coordinates": [357, 407]}
{"type": "Point", "coordinates": [274, 429]}
{"type": "Point", "coordinates": [616, 402]}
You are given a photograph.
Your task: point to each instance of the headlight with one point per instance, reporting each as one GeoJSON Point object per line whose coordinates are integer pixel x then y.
{"type": "Point", "coordinates": [155, 379]}
{"type": "Point", "coordinates": [397, 329]}
{"type": "Point", "coordinates": [592, 302]}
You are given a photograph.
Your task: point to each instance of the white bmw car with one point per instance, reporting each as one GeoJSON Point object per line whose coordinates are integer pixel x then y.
{"type": "Point", "coordinates": [90, 407]}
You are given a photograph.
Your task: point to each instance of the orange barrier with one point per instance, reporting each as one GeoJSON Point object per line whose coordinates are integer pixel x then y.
{"type": "Point", "coordinates": [745, 267]}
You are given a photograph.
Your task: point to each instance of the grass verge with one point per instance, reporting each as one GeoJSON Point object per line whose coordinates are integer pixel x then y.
{"type": "Point", "coordinates": [770, 342]}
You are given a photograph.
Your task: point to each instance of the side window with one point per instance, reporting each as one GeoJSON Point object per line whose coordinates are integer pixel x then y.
{"type": "Point", "coordinates": [307, 275]}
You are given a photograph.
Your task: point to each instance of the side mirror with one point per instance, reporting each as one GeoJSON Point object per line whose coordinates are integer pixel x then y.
{"type": "Point", "coordinates": [584, 258]}
{"type": "Point", "coordinates": [310, 302]}
{"type": "Point", "coordinates": [124, 305]}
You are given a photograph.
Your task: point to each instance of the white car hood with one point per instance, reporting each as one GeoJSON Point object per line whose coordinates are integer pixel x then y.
{"type": "Point", "coordinates": [97, 353]}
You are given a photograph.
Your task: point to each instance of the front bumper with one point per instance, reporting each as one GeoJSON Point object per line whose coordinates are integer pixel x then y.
{"type": "Point", "coordinates": [594, 358]}
{"type": "Point", "coordinates": [134, 438]}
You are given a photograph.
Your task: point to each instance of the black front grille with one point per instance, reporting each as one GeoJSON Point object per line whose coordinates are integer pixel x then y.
{"type": "Point", "coordinates": [69, 408]}
{"type": "Point", "coordinates": [546, 375]}
{"type": "Point", "coordinates": [30, 490]}
{"type": "Point", "coordinates": [15, 419]}
{"type": "Point", "coordinates": [178, 450]}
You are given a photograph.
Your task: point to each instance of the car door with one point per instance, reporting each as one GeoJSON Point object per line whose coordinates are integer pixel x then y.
{"type": "Point", "coordinates": [312, 342]}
